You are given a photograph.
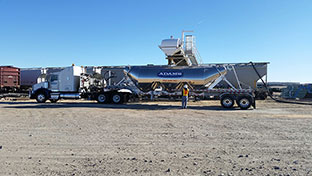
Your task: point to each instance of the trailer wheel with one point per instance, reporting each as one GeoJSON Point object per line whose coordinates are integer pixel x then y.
{"type": "Point", "coordinates": [244, 102]}
{"type": "Point", "coordinates": [117, 98]}
{"type": "Point", "coordinates": [227, 101]}
{"type": "Point", "coordinates": [41, 97]}
{"type": "Point", "coordinates": [102, 98]}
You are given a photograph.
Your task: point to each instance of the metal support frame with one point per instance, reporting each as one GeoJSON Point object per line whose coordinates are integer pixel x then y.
{"type": "Point", "coordinates": [238, 82]}
{"type": "Point", "coordinates": [187, 61]}
{"type": "Point", "coordinates": [218, 80]}
{"type": "Point", "coordinates": [221, 78]}
{"type": "Point", "coordinates": [109, 77]}
{"type": "Point", "coordinates": [121, 81]}
{"type": "Point", "coordinates": [184, 31]}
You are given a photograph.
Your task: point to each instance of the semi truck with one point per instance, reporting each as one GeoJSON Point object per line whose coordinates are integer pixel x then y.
{"type": "Point", "coordinates": [75, 83]}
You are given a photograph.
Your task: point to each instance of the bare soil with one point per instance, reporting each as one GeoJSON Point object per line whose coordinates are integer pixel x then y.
{"type": "Point", "coordinates": [154, 138]}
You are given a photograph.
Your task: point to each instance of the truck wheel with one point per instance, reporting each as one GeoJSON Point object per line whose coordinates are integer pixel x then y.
{"type": "Point", "coordinates": [117, 98]}
{"type": "Point", "coordinates": [102, 98]}
{"type": "Point", "coordinates": [227, 101]}
{"type": "Point", "coordinates": [41, 97]}
{"type": "Point", "coordinates": [244, 102]}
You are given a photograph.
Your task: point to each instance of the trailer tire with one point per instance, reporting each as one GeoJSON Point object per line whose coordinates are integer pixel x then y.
{"type": "Point", "coordinates": [102, 98]}
{"type": "Point", "coordinates": [118, 98]}
{"type": "Point", "coordinates": [227, 101]}
{"type": "Point", "coordinates": [244, 102]}
{"type": "Point", "coordinates": [41, 97]}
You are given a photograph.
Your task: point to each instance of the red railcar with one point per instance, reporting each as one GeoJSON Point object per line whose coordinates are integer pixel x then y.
{"type": "Point", "coordinates": [9, 79]}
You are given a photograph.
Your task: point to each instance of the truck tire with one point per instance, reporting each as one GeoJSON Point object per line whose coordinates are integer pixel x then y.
{"type": "Point", "coordinates": [244, 102]}
{"type": "Point", "coordinates": [227, 101]}
{"type": "Point", "coordinates": [102, 98]}
{"type": "Point", "coordinates": [41, 97]}
{"type": "Point", "coordinates": [117, 98]}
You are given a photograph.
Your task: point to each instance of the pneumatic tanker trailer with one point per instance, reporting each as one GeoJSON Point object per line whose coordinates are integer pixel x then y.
{"type": "Point", "coordinates": [200, 79]}
{"type": "Point", "coordinates": [74, 83]}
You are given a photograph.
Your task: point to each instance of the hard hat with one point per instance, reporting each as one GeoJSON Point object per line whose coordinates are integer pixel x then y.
{"type": "Point", "coordinates": [185, 86]}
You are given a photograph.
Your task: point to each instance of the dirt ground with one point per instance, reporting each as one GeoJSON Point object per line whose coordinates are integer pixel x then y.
{"type": "Point", "coordinates": [155, 138]}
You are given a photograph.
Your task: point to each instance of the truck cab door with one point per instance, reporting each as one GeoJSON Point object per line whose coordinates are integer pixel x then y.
{"type": "Point", "coordinates": [54, 83]}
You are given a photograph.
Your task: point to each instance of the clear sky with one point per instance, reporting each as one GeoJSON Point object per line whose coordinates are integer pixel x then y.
{"type": "Point", "coordinates": [40, 33]}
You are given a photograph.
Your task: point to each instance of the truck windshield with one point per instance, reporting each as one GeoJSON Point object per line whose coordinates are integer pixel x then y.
{"type": "Point", "coordinates": [54, 78]}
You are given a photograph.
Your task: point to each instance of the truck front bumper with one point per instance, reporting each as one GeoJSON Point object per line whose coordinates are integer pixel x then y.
{"type": "Point", "coordinates": [31, 95]}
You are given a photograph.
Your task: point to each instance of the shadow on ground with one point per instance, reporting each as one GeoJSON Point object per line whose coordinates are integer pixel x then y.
{"type": "Point", "coordinates": [137, 106]}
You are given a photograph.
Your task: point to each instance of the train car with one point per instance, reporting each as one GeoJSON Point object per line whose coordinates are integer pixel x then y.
{"type": "Point", "coordinates": [9, 79]}
{"type": "Point", "coordinates": [29, 77]}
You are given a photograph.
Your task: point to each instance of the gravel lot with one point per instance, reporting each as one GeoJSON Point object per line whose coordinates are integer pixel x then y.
{"type": "Point", "coordinates": [155, 138]}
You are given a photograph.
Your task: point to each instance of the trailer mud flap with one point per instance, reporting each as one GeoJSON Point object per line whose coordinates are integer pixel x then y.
{"type": "Point", "coordinates": [253, 103]}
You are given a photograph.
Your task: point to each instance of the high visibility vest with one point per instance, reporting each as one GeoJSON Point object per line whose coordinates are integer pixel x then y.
{"type": "Point", "coordinates": [185, 92]}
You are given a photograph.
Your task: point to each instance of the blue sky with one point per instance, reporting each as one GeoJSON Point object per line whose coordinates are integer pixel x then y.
{"type": "Point", "coordinates": [40, 33]}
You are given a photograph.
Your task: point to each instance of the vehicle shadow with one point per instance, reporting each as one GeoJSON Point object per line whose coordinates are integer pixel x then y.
{"type": "Point", "coordinates": [16, 102]}
{"type": "Point", "coordinates": [135, 106]}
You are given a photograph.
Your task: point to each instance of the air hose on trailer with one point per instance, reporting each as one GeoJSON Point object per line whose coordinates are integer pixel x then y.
{"type": "Point", "coordinates": [269, 93]}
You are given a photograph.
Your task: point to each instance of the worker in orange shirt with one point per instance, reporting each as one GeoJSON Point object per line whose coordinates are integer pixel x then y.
{"type": "Point", "coordinates": [185, 93]}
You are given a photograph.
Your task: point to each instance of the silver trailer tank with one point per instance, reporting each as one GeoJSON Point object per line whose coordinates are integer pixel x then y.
{"type": "Point", "coordinates": [148, 78]}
